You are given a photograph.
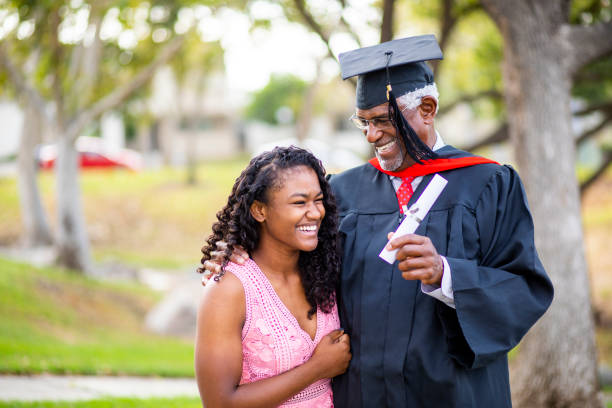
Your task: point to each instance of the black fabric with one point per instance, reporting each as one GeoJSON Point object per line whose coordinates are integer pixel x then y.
{"type": "Point", "coordinates": [405, 51]}
{"type": "Point", "coordinates": [409, 349]}
{"type": "Point", "coordinates": [407, 69]}
{"type": "Point", "coordinates": [372, 88]}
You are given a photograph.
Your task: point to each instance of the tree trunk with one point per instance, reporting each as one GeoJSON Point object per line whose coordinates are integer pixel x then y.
{"type": "Point", "coordinates": [72, 241]}
{"type": "Point", "coordinates": [191, 164]}
{"type": "Point", "coordinates": [386, 26]}
{"type": "Point", "coordinates": [557, 362]}
{"type": "Point", "coordinates": [36, 227]}
{"type": "Point", "coordinates": [302, 126]}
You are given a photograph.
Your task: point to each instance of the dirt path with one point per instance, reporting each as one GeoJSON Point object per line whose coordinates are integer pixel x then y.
{"type": "Point", "coordinates": [73, 388]}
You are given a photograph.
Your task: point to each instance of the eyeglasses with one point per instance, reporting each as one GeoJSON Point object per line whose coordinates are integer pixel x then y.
{"type": "Point", "coordinates": [363, 124]}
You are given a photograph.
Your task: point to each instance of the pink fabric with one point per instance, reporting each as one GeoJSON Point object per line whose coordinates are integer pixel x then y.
{"type": "Point", "coordinates": [273, 341]}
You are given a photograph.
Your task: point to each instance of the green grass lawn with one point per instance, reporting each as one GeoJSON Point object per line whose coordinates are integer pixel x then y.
{"type": "Point", "coordinates": [112, 403]}
{"type": "Point", "coordinates": [56, 321]}
{"type": "Point", "coordinates": [151, 218]}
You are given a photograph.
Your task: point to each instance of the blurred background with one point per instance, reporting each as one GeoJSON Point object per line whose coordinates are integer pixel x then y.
{"type": "Point", "coordinates": [125, 123]}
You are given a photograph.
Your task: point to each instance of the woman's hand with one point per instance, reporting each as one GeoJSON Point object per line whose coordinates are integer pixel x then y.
{"type": "Point", "coordinates": [332, 355]}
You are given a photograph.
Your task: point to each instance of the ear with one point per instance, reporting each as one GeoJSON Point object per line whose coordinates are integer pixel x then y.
{"type": "Point", "coordinates": [427, 109]}
{"type": "Point", "coordinates": [258, 211]}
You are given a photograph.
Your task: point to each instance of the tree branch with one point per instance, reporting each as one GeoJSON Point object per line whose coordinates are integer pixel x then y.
{"type": "Point", "coordinates": [566, 7]}
{"type": "Point", "coordinates": [57, 56]}
{"type": "Point", "coordinates": [604, 106]}
{"type": "Point", "coordinates": [386, 26]}
{"type": "Point", "coordinates": [595, 129]}
{"type": "Point", "coordinates": [115, 98]}
{"type": "Point", "coordinates": [587, 43]}
{"type": "Point", "coordinates": [347, 26]}
{"type": "Point", "coordinates": [497, 136]}
{"type": "Point", "coordinates": [89, 61]}
{"type": "Point", "coordinates": [314, 26]}
{"type": "Point", "coordinates": [469, 99]}
{"type": "Point", "coordinates": [448, 21]}
{"type": "Point", "coordinates": [607, 160]}
{"type": "Point", "coordinates": [581, 76]}
{"type": "Point", "coordinates": [501, 11]}
{"type": "Point", "coordinates": [22, 87]}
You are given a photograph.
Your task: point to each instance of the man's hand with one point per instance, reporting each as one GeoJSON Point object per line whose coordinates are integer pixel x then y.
{"type": "Point", "coordinates": [213, 265]}
{"type": "Point", "coordinates": [417, 258]}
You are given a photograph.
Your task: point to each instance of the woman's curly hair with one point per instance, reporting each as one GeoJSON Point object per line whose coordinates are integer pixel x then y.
{"type": "Point", "coordinates": [320, 268]}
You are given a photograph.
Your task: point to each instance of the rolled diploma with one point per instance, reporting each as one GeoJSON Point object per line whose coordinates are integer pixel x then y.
{"type": "Point", "coordinates": [416, 213]}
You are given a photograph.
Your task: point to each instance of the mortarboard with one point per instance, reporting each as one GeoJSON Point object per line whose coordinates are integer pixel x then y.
{"type": "Point", "coordinates": [407, 69]}
{"type": "Point", "coordinates": [393, 68]}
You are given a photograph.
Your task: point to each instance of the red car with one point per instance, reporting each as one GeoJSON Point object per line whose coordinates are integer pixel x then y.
{"type": "Point", "coordinates": [93, 154]}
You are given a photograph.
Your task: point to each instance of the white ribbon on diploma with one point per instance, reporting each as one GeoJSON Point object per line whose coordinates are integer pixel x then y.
{"type": "Point", "coordinates": [416, 213]}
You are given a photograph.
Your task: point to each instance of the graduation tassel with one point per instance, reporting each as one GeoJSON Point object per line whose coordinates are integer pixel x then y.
{"type": "Point", "coordinates": [415, 147]}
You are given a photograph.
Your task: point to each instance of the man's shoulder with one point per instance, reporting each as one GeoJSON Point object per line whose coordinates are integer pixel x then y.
{"type": "Point", "coordinates": [350, 185]}
{"type": "Point", "coordinates": [350, 174]}
{"type": "Point", "coordinates": [466, 185]}
{"type": "Point", "coordinates": [481, 171]}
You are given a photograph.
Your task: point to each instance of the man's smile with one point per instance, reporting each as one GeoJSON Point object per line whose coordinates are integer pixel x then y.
{"type": "Point", "coordinates": [386, 147]}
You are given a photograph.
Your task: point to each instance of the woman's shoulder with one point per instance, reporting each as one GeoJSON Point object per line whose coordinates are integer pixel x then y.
{"type": "Point", "coordinates": [227, 289]}
{"type": "Point", "coordinates": [247, 272]}
{"type": "Point", "coordinates": [237, 283]}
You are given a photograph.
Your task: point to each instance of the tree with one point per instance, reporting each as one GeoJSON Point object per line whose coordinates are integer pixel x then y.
{"type": "Point", "coordinates": [36, 227]}
{"type": "Point", "coordinates": [37, 231]}
{"type": "Point", "coordinates": [76, 103]}
{"type": "Point", "coordinates": [192, 67]}
{"type": "Point", "coordinates": [592, 84]}
{"type": "Point", "coordinates": [542, 52]}
{"type": "Point", "coordinates": [282, 92]}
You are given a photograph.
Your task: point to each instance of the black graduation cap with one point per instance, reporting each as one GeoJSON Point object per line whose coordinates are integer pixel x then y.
{"type": "Point", "coordinates": [393, 68]}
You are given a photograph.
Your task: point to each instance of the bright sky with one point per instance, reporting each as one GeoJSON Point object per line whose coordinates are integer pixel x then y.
{"type": "Point", "coordinates": [284, 48]}
{"type": "Point", "coordinates": [251, 56]}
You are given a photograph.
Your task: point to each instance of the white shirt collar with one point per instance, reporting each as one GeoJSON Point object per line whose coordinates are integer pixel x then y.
{"type": "Point", "coordinates": [439, 142]}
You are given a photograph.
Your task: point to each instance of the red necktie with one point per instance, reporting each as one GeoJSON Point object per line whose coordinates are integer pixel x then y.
{"type": "Point", "coordinates": [404, 192]}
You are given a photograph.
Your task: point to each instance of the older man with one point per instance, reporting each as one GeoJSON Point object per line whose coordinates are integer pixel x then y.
{"type": "Point", "coordinates": [434, 328]}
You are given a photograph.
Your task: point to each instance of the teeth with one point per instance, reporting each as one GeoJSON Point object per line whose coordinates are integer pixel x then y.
{"type": "Point", "coordinates": [307, 228]}
{"type": "Point", "coordinates": [386, 147]}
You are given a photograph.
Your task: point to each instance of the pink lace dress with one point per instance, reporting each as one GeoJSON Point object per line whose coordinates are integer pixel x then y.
{"type": "Point", "coordinates": [273, 341]}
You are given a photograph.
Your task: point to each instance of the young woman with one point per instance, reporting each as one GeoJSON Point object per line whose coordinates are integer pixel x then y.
{"type": "Point", "coordinates": [268, 331]}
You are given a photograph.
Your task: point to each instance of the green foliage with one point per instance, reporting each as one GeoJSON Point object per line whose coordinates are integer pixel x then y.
{"type": "Point", "coordinates": [148, 218]}
{"type": "Point", "coordinates": [472, 60]}
{"type": "Point", "coordinates": [473, 52]}
{"type": "Point", "coordinates": [589, 11]}
{"type": "Point", "coordinates": [56, 321]}
{"type": "Point", "coordinates": [112, 403]}
{"type": "Point", "coordinates": [281, 91]}
{"type": "Point", "coordinates": [594, 82]}
{"type": "Point", "coordinates": [62, 66]}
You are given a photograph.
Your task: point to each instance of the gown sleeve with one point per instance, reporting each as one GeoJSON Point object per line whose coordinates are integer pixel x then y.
{"type": "Point", "coordinates": [502, 293]}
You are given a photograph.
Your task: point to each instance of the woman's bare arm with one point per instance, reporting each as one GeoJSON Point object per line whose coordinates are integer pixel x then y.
{"type": "Point", "coordinates": [218, 354]}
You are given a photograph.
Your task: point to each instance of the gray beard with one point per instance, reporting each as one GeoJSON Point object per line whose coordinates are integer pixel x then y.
{"type": "Point", "coordinates": [390, 165]}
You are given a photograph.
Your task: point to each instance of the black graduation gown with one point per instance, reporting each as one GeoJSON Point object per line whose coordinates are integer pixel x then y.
{"type": "Point", "coordinates": [410, 349]}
